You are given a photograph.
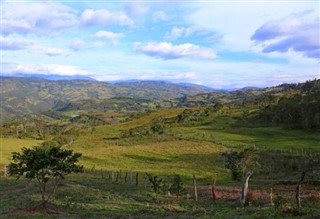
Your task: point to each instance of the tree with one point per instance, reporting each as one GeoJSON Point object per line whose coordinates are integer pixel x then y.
{"type": "Point", "coordinates": [240, 162]}
{"type": "Point", "coordinates": [43, 163]}
{"type": "Point", "coordinates": [177, 186]}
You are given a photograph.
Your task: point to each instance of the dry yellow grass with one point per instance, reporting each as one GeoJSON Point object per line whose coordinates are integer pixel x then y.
{"type": "Point", "coordinates": [9, 145]}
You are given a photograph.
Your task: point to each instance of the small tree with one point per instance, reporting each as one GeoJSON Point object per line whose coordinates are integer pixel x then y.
{"type": "Point", "coordinates": [177, 186]}
{"type": "Point", "coordinates": [240, 162]}
{"type": "Point", "coordinates": [45, 162]}
{"type": "Point", "coordinates": [155, 182]}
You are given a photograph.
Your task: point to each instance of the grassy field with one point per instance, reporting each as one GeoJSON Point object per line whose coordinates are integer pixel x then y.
{"type": "Point", "coordinates": [9, 145]}
{"type": "Point", "coordinates": [182, 149]}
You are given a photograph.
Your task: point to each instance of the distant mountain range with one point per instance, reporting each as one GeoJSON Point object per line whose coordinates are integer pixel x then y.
{"type": "Point", "coordinates": [28, 95]}
{"type": "Point", "coordinates": [21, 96]}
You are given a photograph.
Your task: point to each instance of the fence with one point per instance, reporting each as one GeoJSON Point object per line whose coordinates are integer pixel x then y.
{"type": "Point", "coordinates": [264, 191]}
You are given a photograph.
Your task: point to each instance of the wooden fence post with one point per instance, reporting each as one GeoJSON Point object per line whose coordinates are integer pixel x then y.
{"type": "Point", "coordinates": [131, 176]}
{"type": "Point", "coordinates": [5, 172]}
{"type": "Point", "coordinates": [137, 179]}
{"type": "Point", "coordinates": [213, 188]}
{"type": "Point", "coordinates": [117, 177]}
{"type": "Point", "coordinates": [145, 180]}
{"type": "Point", "coordinates": [298, 189]}
{"type": "Point", "coordinates": [120, 173]}
{"type": "Point", "coordinates": [195, 188]}
{"type": "Point", "coordinates": [271, 197]}
{"type": "Point", "coordinates": [112, 175]}
{"type": "Point", "coordinates": [125, 178]}
{"type": "Point", "coordinates": [245, 189]}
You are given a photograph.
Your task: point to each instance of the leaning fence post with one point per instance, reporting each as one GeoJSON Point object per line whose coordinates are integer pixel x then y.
{"type": "Point", "coordinates": [245, 189]}
{"type": "Point", "coordinates": [120, 173]}
{"type": "Point", "coordinates": [131, 176]}
{"type": "Point", "coordinates": [195, 188]}
{"type": "Point", "coordinates": [125, 178]}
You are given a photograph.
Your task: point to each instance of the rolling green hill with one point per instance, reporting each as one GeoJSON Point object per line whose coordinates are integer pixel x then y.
{"type": "Point", "coordinates": [22, 96]}
{"type": "Point", "coordinates": [180, 140]}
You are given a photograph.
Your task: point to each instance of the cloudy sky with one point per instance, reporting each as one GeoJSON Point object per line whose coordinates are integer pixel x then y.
{"type": "Point", "coordinates": [222, 44]}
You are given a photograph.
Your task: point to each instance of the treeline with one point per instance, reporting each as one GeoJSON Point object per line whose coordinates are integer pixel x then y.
{"type": "Point", "coordinates": [300, 111]}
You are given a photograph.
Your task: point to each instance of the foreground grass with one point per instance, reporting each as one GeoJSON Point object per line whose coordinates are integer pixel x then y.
{"type": "Point", "coordinates": [90, 196]}
{"type": "Point", "coordinates": [184, 150]}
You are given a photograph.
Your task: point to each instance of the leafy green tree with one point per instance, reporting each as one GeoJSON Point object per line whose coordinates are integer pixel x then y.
{"type": "Point", "coordinates": [240, 161]}
{"type": "Point", "coordinates": [157, 127]}
{"type": "Point", "coordinates": [177, 186]}
{"type": "Point", "coordinates": [156, 182]}
{"type": "Point", "coordinates": [44, 163]}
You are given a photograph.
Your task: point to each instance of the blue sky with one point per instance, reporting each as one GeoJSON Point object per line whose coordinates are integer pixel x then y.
{"type": "Point", "coordinates": [222, 44]}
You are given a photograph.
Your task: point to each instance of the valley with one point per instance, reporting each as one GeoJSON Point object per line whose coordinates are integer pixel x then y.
{"type": "Point", "coordinates": [122, 138]}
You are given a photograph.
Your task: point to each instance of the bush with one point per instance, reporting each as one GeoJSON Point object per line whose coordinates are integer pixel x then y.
{"type": "Point", "coordinates": [44, 163]}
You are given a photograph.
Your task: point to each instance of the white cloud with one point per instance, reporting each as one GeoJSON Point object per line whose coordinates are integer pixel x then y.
{"type": "Point", "coordinates": [103, 17]}
{"type": "Point", "coordinates": [174, 76]}
{"type": "Point", "coordinates": [8, 43]}
{"type": "Point", "coordinates": [291, 33]}
{"type": "Point", "coordinates": [14, 44]}
{"type": "Point", "coordinates": [53, 51]}
{"type": "Point", "coordinates": [237, 21]}
{"type": "Point", "coordinates": [114, 37]}
{"type": "Point", "coordinates": [159, 16]}
{"type": "Point", "coordinates": [98, 44]}
{"type": "Point", "coordinates": [166, 50]}
{"type": "Point", "coordinates": [47, 69]}
{"type": "Point", "coordinates": [36, 17]}
{"type": "Point", "coordinates": [77, 45]}
{"type": "Point", "coordinates": [177, 32]}
{"type": "Point", "coordinates": [135, 9]}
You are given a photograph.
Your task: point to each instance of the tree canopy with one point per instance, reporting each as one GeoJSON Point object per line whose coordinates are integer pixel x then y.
{"type": "Point", "coordinates": [43, 163]}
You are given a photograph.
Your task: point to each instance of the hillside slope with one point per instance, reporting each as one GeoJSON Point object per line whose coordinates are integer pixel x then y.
{"type": "Point", "coordinates": [22, 96]}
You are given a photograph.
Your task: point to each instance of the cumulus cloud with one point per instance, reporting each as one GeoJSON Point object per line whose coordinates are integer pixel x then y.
{"type": "Point", "coordinates": [166, 50]}
{"type": "Point", "coordinates": [159, 16]}
{"type": "Point", "coordinates": [290, 33]}
{"type": "Point", "coordinates": [47, 69]}
{"type": "Point", "coordinates": [8, 43]}
{"type": "Point", "coordinates": [36, 17]}
{"type": "Point", "coordinates": [53, 51]}
{"type": "Point", "coordinates": [135, 9]}
{"type": "Point", "coordinates": [103, 17]}
{"type": "Point", "coordinates": [114, 37]}
{"type": "Point", "coordinates": [14, 44]}
{"type": "Point", "coordinates": [79, 44]}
